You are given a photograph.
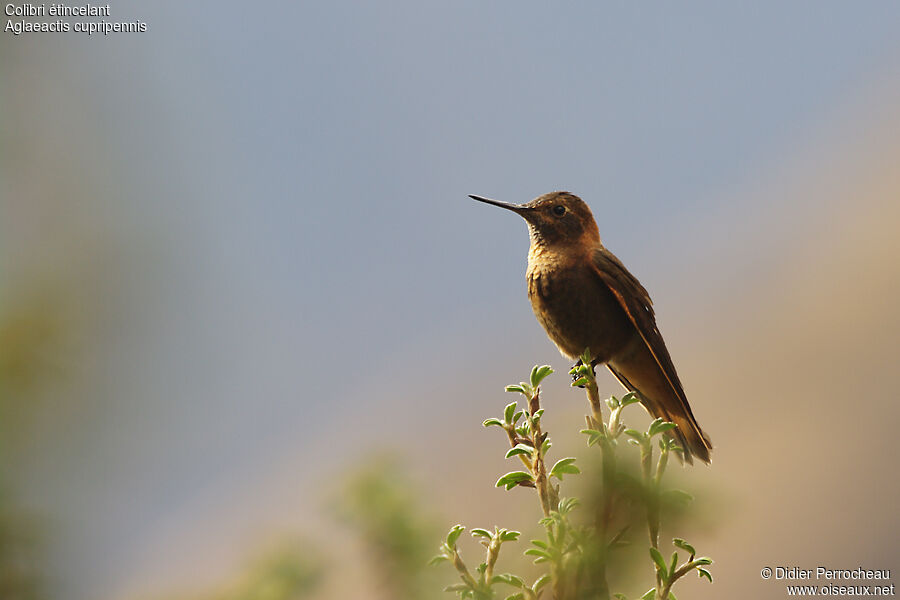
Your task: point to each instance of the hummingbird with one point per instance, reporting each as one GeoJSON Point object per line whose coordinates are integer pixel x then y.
{"type": "Point", "coordinates": [585, 298]}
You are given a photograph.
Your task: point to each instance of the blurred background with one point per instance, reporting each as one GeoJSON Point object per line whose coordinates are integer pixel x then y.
{"type": "Point", "coordinates": [244, 299]}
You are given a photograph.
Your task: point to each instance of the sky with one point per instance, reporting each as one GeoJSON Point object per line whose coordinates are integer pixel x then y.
{"type": "Point", "coordinates": [259, 216]}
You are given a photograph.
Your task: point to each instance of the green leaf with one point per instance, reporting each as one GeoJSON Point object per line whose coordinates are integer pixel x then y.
{"type": "Point", "coordinates": [520, 449]}
{"type": "Point", "coordinates": [454, 535]}
{"type": "Point", "coordinates": [672, 595]}
{"type": "Point", "coordinates": [629, 398]}
{"type": "Point", "coordinates": [516, 596]}
{"type": "Point", "coordinates": [634, 433]}
{"type": "Point", "coordinates": [511, 407]}
{"type": "Point", "coordinates": [479, 532]}
{"type": "Point", "coordinates": [538, 374]}
{"type": "Point", "coordinates": [673, 564]}
{"type": "Point", "coordinates": [659, 426]}
{"type": "Point", "coordinates": [580, 382]}
{"type": "Point", "coordinates": [437, 560]}
{"type": "Point", "coordinates": [507, 535]}
{"type": "Point", "coordinates": [649, 594]}
{"type": "Point", "coordinates": [492, 421]}
{"type": "Point", "coordinates": [594, 436]}
{"type": "Point", "coordinates": [663, 427]}
{"type": "Point", "coordinates": [660, 562]}
{"type": "Point", "coordinates": [703, 560]}
{"type": "Point", "coordinates": [684, 546]}
{"type": "Point", "coordinates": [567, 504]}
{"type": "Point", "coordinates": [540, 582]}
{"type": "Point", "coordinates": [564, 466]}
{"type": "Point", "coordinates": [545, 447]}
{"type": "Point", "coordinates": [676, 497]}
{"type": "Point", "coordinates": [514, 478]}
{"type": "Point", "coordinates": [701, 573]}
{"type": "Point", "coordinates": [537, 552]}
{"type": "Point", "coordinates": [516, 388]}
{"type": "Point", "coordinates": [508, 579]}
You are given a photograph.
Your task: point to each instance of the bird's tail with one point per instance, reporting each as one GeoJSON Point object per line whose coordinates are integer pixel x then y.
{"type": "Point", "coordinates": [663, 398]}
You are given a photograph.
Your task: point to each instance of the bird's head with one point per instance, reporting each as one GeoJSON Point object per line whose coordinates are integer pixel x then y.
{"type": "Point", "coordinates": [555, 219]}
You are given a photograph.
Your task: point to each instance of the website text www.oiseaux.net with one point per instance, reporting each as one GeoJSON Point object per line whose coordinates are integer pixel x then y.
{"type": "Point", "coordinates": [823, 581]}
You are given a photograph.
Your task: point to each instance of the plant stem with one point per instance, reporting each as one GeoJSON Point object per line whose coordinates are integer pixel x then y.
{"type": "Point", "coordinates": [548, 495]}
{"type": "Point", "coordinates": [594, 399]}
{"type": "Point", "coordinates": [462, 569]}
{"type": "Point", "coordinates": [493, 551]}
{"type": "Point", "coordinates": [513, 442]}
{"type": "Point", "coordinates": [663, 593]}
{"type": "Point", "coordinates": [651, 489]}
{"type": "Point", "coordinates": [608, 454]}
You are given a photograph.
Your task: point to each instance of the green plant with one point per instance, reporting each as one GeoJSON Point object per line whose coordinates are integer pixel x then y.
{"type": "Point", "coordinates": [580, 541]}
{"type": "Point", "coordinates": [383, 507]}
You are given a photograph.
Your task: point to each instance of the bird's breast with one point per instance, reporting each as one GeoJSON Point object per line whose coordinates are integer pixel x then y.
{"type": "Point", "coordinates": [576, 309]}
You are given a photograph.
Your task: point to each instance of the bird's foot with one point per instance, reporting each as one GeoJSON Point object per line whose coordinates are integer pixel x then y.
{"type": "Point", "coordinates": [576, 376]}
{"type": "Point", "coordinates": [578, 363]}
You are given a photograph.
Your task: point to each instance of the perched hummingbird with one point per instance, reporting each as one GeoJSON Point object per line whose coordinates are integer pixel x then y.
{"type": "Point", "coordinates": [585, 298]}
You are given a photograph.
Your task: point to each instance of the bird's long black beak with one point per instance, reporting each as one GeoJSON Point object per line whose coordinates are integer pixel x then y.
{"type": "Point", "coordinates": [516, 208]}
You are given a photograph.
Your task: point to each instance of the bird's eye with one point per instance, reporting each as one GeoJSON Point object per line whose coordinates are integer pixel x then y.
{"type": "Point", "coordinates": [559, 210]}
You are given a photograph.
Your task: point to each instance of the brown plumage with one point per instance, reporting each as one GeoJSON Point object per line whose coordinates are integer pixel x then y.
{"type": "Point", "coordinates": [584, 297]}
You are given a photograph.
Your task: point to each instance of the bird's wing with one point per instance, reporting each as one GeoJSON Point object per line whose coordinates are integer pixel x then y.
{"type": "Point", "coordinates": [632, 296]}
{"type": "Point", "coordinates": [649, 370]}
